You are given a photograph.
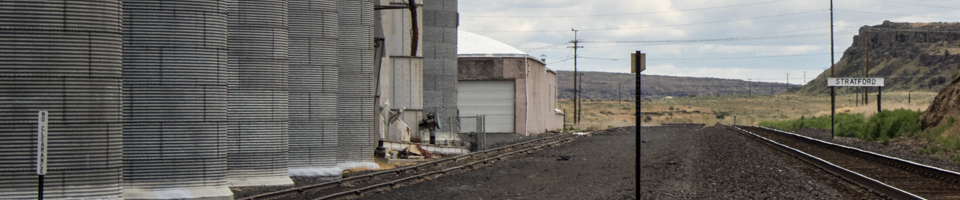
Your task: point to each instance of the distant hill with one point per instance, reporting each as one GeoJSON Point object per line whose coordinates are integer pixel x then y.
{"type": "Point", "coordinates": [910, 56]}
{"type": "Point", "coordinates": [603, 85]}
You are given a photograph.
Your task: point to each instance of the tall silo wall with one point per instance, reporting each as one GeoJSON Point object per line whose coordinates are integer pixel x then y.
{"type": "Point", "coordinates": [175, 99]}
{"type": "Point", "coordinates": [257, 93]}
{"type": "Point", "coordinates": [63, 57]}
{"type": "Point", "coordinates": [356, 90]}
{"type": "Point", "coordinates": [313, 87]}
{"type": "Point", "coordinates": [440, 62]}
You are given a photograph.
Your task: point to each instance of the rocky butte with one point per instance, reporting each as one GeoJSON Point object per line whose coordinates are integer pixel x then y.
{"type": "Point", "coordinates": [909, 56]}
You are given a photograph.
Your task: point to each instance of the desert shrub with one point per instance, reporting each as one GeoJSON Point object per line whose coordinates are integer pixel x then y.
{"type": "Point", "coordinates": [890, 124]}
{"type": "Point", "coordinates": [881, 126]}
{"type": "Point", "coordinates": [722, 115]}
{"type": "Point", "coordinates": [940, 136]}
{"type": "Point", "coordinates": [930, 150]}
{"type": "Point", "coordinates": [846, 124]}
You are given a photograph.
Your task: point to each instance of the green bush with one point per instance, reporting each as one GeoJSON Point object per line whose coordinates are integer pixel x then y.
{"type": "Point", "coordinates": [890, 124]}
{"type": "Point", "coordinates": [881, 126]}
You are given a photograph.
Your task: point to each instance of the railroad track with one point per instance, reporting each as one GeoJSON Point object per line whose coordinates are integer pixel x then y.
{"type": "Point", "coordinates": [889, 176]}
{"type": "Point", "coordinates": [357, 186]}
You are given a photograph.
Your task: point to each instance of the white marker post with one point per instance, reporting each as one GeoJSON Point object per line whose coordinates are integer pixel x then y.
{"type": "Point", "coordinates": [41, 150]}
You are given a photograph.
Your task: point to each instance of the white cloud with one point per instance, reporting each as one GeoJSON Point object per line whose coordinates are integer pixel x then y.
{"type": "Point", "coordinates": [800, 34]}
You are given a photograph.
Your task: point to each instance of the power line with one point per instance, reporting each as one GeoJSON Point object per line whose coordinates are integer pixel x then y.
{"type": "Point", "coordinates": [620, 14]}
{"type": "Point", "coordinates": [717, 39]}
{"type": "Point", "coordinates": [722, 58]}
{"type": "Point", "coordinates": [662, 26]}
{"type": "Point", "coordinates": [917, 4]}
{"type": "Point", "coordinates": [546, 47]}
{"type": "Point", "coordinates": [751, 57]}
{"type": "Point", "coordinates": [739, 38]}
{"type": "Point", "coordinates": [892, 14]}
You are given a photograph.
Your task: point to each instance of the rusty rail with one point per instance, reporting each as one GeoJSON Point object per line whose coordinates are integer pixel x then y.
{"type": "Point", "coordinates": [857, 178]}
{"type": "Point", "coordinates": [550, 141]}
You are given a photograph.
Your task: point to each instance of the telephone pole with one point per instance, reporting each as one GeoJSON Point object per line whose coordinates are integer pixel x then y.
{"type": "Point", "coordinates": [576, 91]}
{"type": "Point", "coordinates": [833, 92]}
{"type": "Point", "coordinates": [579, 87]}
{"type": "Point", "coordinates": [866, 64]}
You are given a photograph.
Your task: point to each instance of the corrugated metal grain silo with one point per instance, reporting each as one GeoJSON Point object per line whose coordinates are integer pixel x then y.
{"type": "Point", "coordinates": [63, 57]}
{"type": "Point", "coordinates": [175, 99]}
{"type": "Point", "coordinates": [355, 95]}
{"type": "Point", "coordinates": [440, 63]}
{"type": "Point", "coordinates": [313, 88]}
{"type": "Point", "coordinates": [257, 93]}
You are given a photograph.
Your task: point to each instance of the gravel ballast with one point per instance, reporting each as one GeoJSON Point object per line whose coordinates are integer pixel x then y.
{"type": "Point", "coordinates": [712, 163]}
{"type": "Point", "coordinates": [600, 166]}
{"type": "Point", "coordinates": [903, 148]}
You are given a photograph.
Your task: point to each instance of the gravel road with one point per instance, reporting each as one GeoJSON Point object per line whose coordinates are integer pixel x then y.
{"type": "Point", "coordinates": [600, 166]}
{"type": "Point", "coordinates": [711, 163]}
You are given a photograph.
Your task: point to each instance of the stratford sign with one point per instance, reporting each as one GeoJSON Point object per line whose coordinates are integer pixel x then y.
{"type": "Point", "coordinates": [855, 82]}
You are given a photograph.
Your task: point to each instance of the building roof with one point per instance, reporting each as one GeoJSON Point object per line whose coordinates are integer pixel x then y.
{"type": "Point", "coordinates": [471, 43]}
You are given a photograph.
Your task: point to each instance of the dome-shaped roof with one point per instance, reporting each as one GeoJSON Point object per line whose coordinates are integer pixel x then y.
{"type": "Point", "coordinates": [471, 43]}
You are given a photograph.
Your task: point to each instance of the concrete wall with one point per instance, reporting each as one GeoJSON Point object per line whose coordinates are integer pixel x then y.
{"type": "Point", "coordinates": [440, 20]}
{"type": "Point", "coordinates": [536, 88]}
{"type": "Point", "coordinates": [542, 92]}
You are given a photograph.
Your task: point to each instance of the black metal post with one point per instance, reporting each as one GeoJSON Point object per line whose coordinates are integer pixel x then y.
{"type": "Point", "coordinates": [637, 116]}
{"type": "Point", "coordinates": [879, 89]}
{"type": "Point", "coordinates": [40, 187]}
{"type": "Point", "coordinates": [833, 91]}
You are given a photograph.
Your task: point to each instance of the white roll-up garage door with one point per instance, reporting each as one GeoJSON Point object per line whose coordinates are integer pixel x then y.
{"type": "Point", "coordinates": [495, 99]}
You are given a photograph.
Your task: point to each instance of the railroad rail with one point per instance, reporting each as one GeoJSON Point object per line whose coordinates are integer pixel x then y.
{"type": "Point", "coordinates": [356, 186]}
{"type": "Point", "coordinates": [893, 177]}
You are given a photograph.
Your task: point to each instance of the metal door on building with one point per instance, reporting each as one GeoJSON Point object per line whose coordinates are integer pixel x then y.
{"type": "Point", "coordinates": [495, 99]}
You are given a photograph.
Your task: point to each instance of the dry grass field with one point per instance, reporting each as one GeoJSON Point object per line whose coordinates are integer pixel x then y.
{"type": "Point", "coordinates": [748, 110]}
{"type": "Point", "coordinates": [751, 110]}
{"type": "Point", "coordinates": [599, 114]}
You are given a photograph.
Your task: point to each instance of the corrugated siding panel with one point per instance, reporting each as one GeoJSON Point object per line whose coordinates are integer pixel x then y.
{"type": "Point", "coordinates": [257, 93]}
{"type": "Point", "coordinates": [63, 57]}
{"type": "Point", "coordinates": [175, 95]}
{"type": "Point", "coordinates": [313, 83]}
{"type": "Point", "coordinates": [356, 89]}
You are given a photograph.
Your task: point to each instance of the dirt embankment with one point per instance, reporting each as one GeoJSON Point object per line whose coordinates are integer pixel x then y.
{"type": "Point", "coordinates": [946, 104]}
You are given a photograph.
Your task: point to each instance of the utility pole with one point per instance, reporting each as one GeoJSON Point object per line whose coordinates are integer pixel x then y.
{"type": "Point", "coordinates": [580, 87]}
{"type": "Point", "coordinates": [576, 91]}
{"type": "Point", "coordinates": [749, 87]}
{"type": "Point", "coordinates": [788, 78]}
{"type": "Point", "coordinates": [620, 100]}
{"type": "Point", "coordinates": [804, 78]}
{"type": "Point", "coordinates": [833, 92]}
{"type": "Point", "coordinates": [866, 66]}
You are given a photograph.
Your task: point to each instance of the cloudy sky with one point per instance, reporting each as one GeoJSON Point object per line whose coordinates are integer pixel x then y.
{"type": "Point", "coordinates": [760, 40]}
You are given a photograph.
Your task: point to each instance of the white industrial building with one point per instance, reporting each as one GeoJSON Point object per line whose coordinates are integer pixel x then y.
{"type": "Point", "coordinates": [515, 92]}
